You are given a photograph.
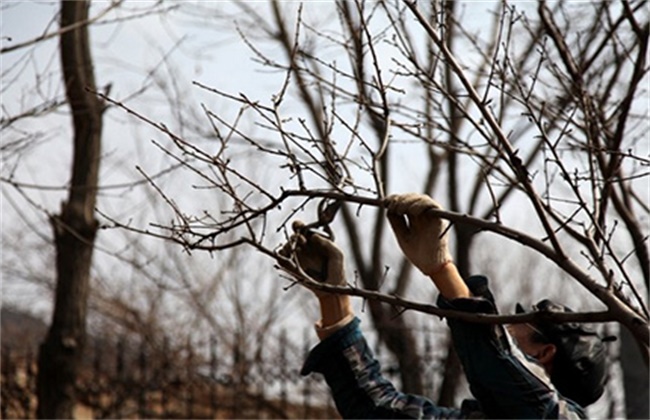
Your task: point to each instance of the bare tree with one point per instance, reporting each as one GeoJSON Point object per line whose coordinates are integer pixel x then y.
{"type": "Point", "coordinates": [544, 114]}
{"type": "Point", "coordinates": [192, 290]}
{"type": "Point", "coordinates": [540, 113]}
{"type": "Point", "coordinates": [75, 228]}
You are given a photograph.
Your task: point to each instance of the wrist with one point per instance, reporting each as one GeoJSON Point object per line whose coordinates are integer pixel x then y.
{"type": "Point", "coordinates": [336, 312]}
{"type": "Point", "coordinates": [437, 260]}
{"type": "Point", "coordinates": [449, 281]}
{"type": "Point", "coordinates": [437, 269]}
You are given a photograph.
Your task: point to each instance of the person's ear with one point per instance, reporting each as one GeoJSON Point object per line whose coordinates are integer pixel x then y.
{"type": "Point", "coordinates": [546, 354]}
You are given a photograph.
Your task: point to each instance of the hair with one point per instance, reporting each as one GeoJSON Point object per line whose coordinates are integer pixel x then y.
{"type": "Point", "coordinates": [538, 336]}
{"type": "Point", "coordinates": [579, 366]}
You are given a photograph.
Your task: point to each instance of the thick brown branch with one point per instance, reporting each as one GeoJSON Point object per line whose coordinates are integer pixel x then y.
{"type": "Point", "coordinates": [401, 303]}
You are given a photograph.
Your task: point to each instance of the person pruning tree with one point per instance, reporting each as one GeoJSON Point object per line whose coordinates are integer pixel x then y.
{"type": "Point", "coordinates": [541, 370]}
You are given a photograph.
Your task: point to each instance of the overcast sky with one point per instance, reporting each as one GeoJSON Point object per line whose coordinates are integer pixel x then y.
{"type": "Point", "coordinates": [168, 48]}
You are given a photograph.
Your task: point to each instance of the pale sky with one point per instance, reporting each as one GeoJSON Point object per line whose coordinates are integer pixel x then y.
{"type": "Point", "coordinates": [130, 56]}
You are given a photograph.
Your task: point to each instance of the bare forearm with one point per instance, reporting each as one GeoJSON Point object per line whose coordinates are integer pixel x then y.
{"type": "Point", "coordinates": [449, 282]}
{"type": "Point", "coordinates": [336, 311]}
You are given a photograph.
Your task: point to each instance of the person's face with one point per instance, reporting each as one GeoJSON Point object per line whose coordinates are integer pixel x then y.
{"type": "Point", "coordinates": [524, 337]}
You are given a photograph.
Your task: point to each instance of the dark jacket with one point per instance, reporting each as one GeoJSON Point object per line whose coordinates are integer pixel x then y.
{"type": "Point", "coordinates": [505, 382]}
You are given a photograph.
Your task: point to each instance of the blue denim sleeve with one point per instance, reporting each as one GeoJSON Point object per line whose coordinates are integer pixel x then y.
{"type": "Point", "coordinates": [358, 388]}
{"type": "Point", "coordinates": [506, 382]}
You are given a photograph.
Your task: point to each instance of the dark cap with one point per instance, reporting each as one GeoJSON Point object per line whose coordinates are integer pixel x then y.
{"type": "Point", "coordinates": [579, 367]}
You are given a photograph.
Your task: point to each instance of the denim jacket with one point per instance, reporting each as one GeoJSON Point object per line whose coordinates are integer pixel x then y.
{"type": "Point", "coordinates": [505, 382]}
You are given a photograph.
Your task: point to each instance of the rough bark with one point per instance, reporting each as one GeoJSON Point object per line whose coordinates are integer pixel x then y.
{"type": "Point", "coordinates": [75, 227]}
{"type": "Point", "coordinates": [635, 378]}
{"type": "Point", "coordinates": [453, 372]}
{"type": "Point", "coordinates": [451, 378]}
{"type": "Point", "coordinates": [396, 335]}
{"type": "Point", "coordinates": [391, 329]}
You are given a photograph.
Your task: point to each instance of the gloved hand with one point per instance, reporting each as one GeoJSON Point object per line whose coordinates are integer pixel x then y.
{"type": "Point", "coordinates": [319, 257]}
{"type": "Point", "coordinates": [322, 261]}
{"type": "Point", "coordinates": [418, 232]}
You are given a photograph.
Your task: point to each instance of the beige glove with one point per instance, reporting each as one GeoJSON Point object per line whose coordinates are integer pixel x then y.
{"type": "Point", "coordinates": [316, 255]}
{"type": "Point", "coordinates": [322, 261]}
{"type": "Point", "coordinates": [418, 232]}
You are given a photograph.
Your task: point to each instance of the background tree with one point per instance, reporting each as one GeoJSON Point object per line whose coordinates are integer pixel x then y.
{"type": "Point", "coordinates": [480, 107]}
{"type": "Point", "coordinates": [544, 114]}
{"type": "Point", "coordinates": [75, 228]}
{"type": "Point", "coordinates": [165, 291]}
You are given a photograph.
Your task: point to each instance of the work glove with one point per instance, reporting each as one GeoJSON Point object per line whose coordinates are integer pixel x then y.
{"type": "Point", "coordinates": [319, 257]}
{"type": "Point", "coordinates": [418, 232]}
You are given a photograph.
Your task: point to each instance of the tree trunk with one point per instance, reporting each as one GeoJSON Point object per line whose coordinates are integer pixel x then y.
{"type": "Point", "coordinates": [75, 228]}
{"type": "Point", "coordinates": [450, 378]}
{"type": "Point", "coordinates": [635, 377]}
{"type": "Point", "coordinates": [399, 340]}
{"type": "Point", "coordinates": [453, 370]}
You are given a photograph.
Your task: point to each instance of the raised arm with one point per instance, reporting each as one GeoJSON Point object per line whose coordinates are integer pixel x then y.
{"type": "Point", "coordinates": [507, 382]}
{"type": "Point", "coordinates": [343, 356]}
